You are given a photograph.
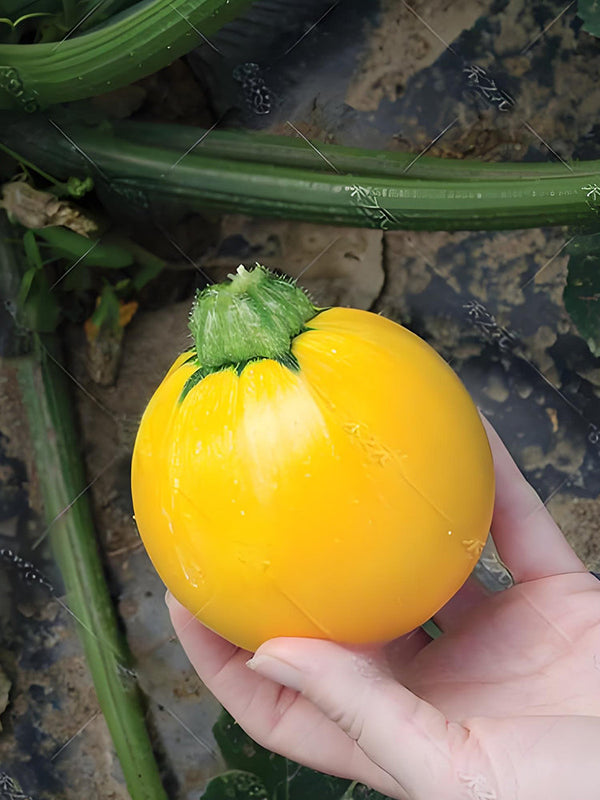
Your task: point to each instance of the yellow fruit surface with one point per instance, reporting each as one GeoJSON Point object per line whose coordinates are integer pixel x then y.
{"type": "Point", "coordinates": [347, 500]}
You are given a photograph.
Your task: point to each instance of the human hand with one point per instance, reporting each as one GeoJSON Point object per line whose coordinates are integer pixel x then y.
{"type": "Point", "coordinates": [505, 705]}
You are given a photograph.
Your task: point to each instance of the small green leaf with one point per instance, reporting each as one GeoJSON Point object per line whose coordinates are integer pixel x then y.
{"type": "Point", "coordinates": [37, 305]}
{"type": "Point", "coordinates": [95, 253]}
{"type": "Point", "coordinates": [582, 291]}
{"type": "Point", "coordinates": [589, 12]}
{"type": "Point", "coordinates": [32, 251]}
{"type": "Point", "coordinates": [25, 287]}
{"type": "Point", "coordinates": [147, 272]}
{"type": "Point", "coordinates": [147, 265]}
{"type": "Point", "coordinates": [235, 785]}
{"type": "Point", "coordinates": [106, 314]}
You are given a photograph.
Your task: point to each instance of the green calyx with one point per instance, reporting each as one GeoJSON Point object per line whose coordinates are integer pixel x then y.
{"type": "Point", "coordinates": [255, 314]}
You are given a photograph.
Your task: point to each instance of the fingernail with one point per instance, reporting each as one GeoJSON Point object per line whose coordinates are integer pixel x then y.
{"type": "Point", "coordinates": [168, 597]}
{"type": "Point", "coordinates": [278, 671]}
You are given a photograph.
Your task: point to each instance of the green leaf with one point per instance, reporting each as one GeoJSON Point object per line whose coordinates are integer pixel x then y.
{"type": "Point", "coordinates": [242, 753]}
{"type": "Point", "coordinates": [302, 782]}
{"type": "Point", "coordinates": [106, 314]}
{"type": "Point", "coordinates": [582, 291]}
{"type": "Point", "coordinates": [68, 244]}
{"type": "Point", "coordinates": [283, 779]}
{"type": "Point", "coordinates": [32, 252]}
{"type": "Point", "coordinates": [37, 305]}
{"type": "Point", "coordinates": [147, 272]}
{"type": "Point", "coordinates": [235, 785]}
{"type": "Point", "coordinates": [589, 12]}
{"type": "Point", "coordinates": [25, 287]}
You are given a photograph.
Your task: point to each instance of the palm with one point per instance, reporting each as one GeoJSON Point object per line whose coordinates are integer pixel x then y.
{"type": "Point", "coordinates": [524, 647]}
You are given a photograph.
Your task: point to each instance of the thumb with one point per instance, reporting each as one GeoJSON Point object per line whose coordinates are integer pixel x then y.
{"type": "Point", "coordinates": [401, 733]}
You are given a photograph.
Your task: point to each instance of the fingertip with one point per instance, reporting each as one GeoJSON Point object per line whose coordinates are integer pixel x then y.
{"type": "Point", "coordinates": [301, 646]}
{"type": "Point", "coordinates": [282, 648]}
{"type": "Point", "coordinates": [277, 670]}
{"type": "Point", "coordinates": [316, 657]}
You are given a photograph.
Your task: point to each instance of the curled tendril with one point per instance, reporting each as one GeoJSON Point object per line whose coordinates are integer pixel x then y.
{"type": "Point", "coordinates": [13, 25]}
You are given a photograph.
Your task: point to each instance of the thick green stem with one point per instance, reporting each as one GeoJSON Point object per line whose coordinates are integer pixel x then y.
{"type": "Point", "coordinates": [255, 315]}
{"type": "Point", "coordinates": [151, 175]}
{"type": "Point", "coordinates": [60, 472]}
{"type": "Point", "coordinates": [133, 44]}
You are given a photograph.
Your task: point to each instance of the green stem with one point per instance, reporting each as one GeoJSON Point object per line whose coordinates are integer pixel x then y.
{"type": "Point", "coordinates": [72, 536]}
{"type": "Point", "coordinates": [145, 175]}
{"type": "Point", "coordinates": [432, 629]}
{"type": "Point", "coordinates": [255, 315]}
{"type": "Point", "coordinates": [133, 44]}
{"type": "Point", "coordinates": [349, 793]}
{"type": "Point", "coordinates": [29, 164]}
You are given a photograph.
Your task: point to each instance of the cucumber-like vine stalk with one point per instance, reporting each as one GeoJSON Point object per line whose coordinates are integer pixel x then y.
{"type": "Point", "coordinates": [132, 44]}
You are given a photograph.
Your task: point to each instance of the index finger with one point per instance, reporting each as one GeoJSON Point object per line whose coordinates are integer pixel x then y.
{"type": "Point", "coordinates": [528, 540]}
